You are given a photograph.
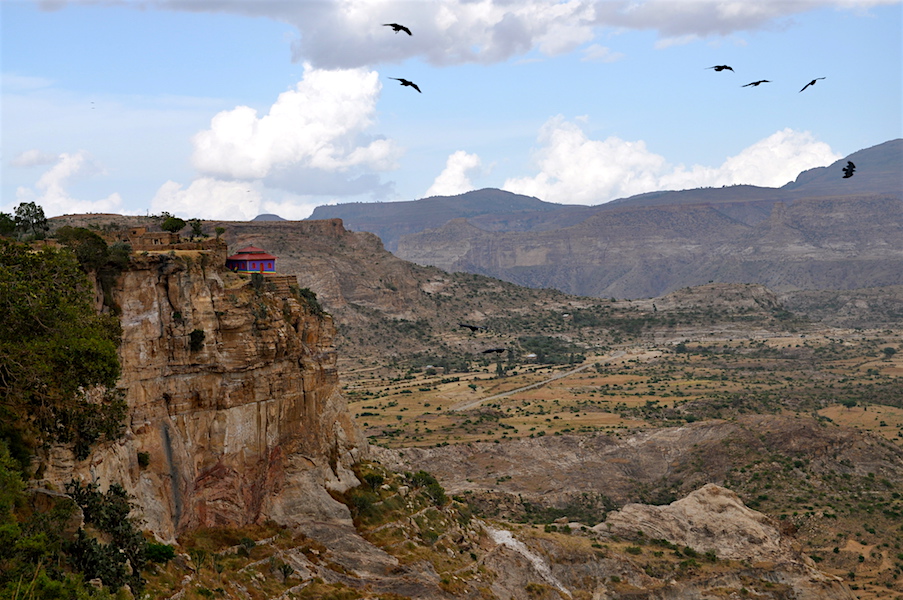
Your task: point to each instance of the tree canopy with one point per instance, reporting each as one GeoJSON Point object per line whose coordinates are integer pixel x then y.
{"type": "Point", "coordinates": [54, 349]}
{"type": "Point", "coordinates": [30, 220]}
{"type": "Point", "coordinates": [173, 224]}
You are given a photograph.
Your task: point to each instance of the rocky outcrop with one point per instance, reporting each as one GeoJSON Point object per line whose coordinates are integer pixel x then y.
{"type": "Point", "coordinates": [710, 519]}
{"type": "Point", "coordinates": [235, 413]}
{"type": "Point", "coordinates": [715, 520]}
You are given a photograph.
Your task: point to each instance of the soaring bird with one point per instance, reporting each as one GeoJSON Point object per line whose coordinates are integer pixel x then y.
{"type": "Point", "coordinates": [491, 350]}
{"type": "Point", "coordinates": [471, 327]}
{"type": "Point", "coordinates": [848, 170]}
{"type": "Point", "coordinates": [811, 82]}
{"type": "Point", "coordinates": [396, 28]}
{"type": "Point", "coordinates": [406, 82]}
{"type": "Point", "coordinates": [719, 68]}
{"type": "Point", "coordinates": [755, 83]}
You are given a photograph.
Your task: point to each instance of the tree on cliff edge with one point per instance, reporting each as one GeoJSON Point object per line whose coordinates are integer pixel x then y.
{"type": "Point", "coordinates": [54, 348]}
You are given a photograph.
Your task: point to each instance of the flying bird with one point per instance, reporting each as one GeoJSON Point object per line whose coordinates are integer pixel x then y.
{"type": "Point", "coordinates": [406, 82]}
{"type": "Point", "coordinates": [848, 170]}
{"type": "Point", "coordinates": [719, 68]}
{"type": "Point", "coordinates": [756, 83]}
{"type": "Point", "coordinates": [811, 82]}
{"type": "Point", "coordinates": [471, 327]}
{"type": "Point", "coordinates": [491, 350]}
{"type": "Point", "coordinates": [396, 28]}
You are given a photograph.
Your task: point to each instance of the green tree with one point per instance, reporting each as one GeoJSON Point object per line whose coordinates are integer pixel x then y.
{"type": "Point", "coordinates": [92, 252]}
{"type": "Point", "coordinates": [219, 231]}
{"type": "Point", "coordinates": [197, 228]}
{"type": "Point", "coordinates": [172, 224]}
{"type": "Point", "coordinates": [7, 224]}
{"type": "Point", "coordinates": [53, 348]}
{"type": "Point", "coordinates": [30, 220]}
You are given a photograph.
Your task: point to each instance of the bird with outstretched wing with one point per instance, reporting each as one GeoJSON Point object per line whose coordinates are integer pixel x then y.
{"type": "Point", "coordinates": [396, 28]}
{"type": "Point", "coordinates": [406, 82]}
{"type": "Point", "coordinates": [811, 83]}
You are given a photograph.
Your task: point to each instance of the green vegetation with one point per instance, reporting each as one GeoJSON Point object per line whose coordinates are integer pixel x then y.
{"type": "Point", "coordinates": [42, 556]}
{"type": "Point", "coordinates": [30, 221]}
{"type": "Point", "coordinates": [551, 350]}
{"type": "Point", "coordinates": [96, 257]}
{"type": "Point", "coordinates": [196, 340]}
{"type": "Point", "coordinates": [309, 299]}
{"type": "Point", "coordinates": [172, 224]}
{"type": "Point", "coordinates": [58, 360]}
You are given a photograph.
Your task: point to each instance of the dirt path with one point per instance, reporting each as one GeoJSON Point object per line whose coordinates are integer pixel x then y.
{"type": "Point", "coordinates": [474, 403]}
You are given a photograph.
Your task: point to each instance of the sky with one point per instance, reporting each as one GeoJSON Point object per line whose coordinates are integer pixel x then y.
{"type": "Point", "coordinates": [226, 109]}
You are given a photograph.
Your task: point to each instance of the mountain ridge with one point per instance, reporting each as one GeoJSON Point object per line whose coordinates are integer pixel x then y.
{"type": "Point", "coordinates": [880, 171]}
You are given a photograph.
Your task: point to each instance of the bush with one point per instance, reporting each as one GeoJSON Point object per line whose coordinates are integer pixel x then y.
{"type": "Point", "coordinates": [160, 553]}
{"type": "Point", "coordinates": [143, 459]}
{"type": "Point", "coordinates": [196, 341]}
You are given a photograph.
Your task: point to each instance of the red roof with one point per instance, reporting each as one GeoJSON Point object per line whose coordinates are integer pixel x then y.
{"type": "Point", "coordinates": [251, 253]}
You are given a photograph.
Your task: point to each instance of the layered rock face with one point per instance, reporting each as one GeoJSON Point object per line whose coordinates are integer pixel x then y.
{"type": "Point", "coordinates": [647, 251]}
{"type": "Point", "coordinates": [234, 402]}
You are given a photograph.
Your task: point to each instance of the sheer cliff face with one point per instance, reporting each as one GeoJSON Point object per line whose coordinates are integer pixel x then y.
{"type": "Point", "coordinates": [233, 396]}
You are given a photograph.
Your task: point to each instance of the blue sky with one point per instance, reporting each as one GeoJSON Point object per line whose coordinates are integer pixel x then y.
{"type": "Point", "coordinates": [230, 108]}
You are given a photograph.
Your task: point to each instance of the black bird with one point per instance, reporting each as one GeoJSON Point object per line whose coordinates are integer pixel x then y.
{"type": "Point", "coordinates": [848, 170]}
{"type": "Point", "coordinates": [756, 83]}
{"type": "Point", "coordinates": [471, 327]}
{"type": "Point", "coordinates": [396, 28]}
{"type": "Point", "coordinates": [406, 82]}
{"type": "Point", "coordinates": [811, 82]}
{"type": "Point", "coordinates": [719, 68]}
{"type": "Point", "coordinates": [491, 350]}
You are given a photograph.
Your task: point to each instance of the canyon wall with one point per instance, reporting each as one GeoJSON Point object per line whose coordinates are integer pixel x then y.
{"type": "Point", "coordinates": [235, 413]}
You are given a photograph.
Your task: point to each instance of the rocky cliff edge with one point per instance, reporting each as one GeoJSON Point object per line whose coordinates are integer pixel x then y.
{"type": "Point", "coordinates": [235, 413]}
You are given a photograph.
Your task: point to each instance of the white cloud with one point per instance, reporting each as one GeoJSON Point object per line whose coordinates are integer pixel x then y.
{"type": "Point", "coordinates": [208, 198]}
{"type": "Point", "coordinates": [350, 33]}
{"type": "Point", "coordinates": [453, 180]}
{"type": "Point", "coordinates": [574, 169]}
{"type": "Point", "coordinates": [292, 208]}
{"type": "Point", "coordinates": [313, 141]}
{"type": "Point", "coordinates": [771, 162]}
{"type": "Point", "coordinates": [34, 158]}
{"type": "Point", "coordinates": [320, 124]}
{"type": "Point", "coordinates": [215, 199]}
{"type": "Point", "coordinates": [50, 190]}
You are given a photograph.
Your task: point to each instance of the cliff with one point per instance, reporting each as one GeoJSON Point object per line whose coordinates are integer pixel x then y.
{"type": "Point", "coordinates": [235, 413]}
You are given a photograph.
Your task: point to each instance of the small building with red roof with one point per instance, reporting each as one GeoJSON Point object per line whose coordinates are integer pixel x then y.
{"type": "Point", "coordinates": [251, 260]}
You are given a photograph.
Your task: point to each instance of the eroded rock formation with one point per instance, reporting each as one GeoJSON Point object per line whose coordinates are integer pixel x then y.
{"type": "Point", "coordinates": [234, 404]}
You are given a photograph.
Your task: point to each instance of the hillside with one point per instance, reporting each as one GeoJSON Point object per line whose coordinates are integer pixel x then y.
{"type": "Point", "coordinates": [815, 243]}
{"type": "Point", "coordinates": [602, 418]}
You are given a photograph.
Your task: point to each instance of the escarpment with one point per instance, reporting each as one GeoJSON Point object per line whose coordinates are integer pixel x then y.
{"type": "Point", "coordinates": [235, 413]}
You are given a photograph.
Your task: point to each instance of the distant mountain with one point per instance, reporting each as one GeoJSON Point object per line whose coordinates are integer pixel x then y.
{"type": "Point", "coordinates": [819, 232]}
{"type": "Point", "coordinates": [878, 171]}
{"type": "Point", "coordinates": [391, 220]}
{"type": "Point", "coordinates": [268, 217]}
